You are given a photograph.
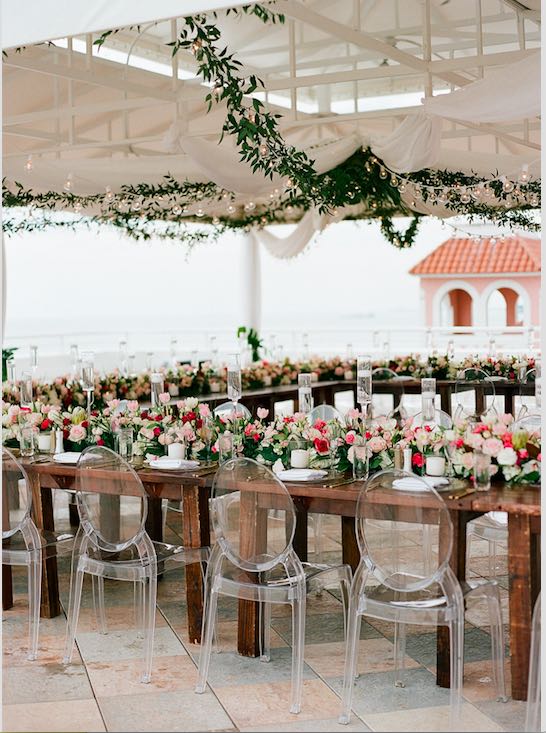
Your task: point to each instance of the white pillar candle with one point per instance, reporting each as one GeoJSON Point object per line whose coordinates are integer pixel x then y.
{"type": "Point", "coordinates": [175, 450]}
{"type": "Point", "coordinates": [299, 458]}
{"type": "Point", "coordinates": [44, 442]}
{"type": "Point", "coordinates": [348, 375]}
{"type": "Point", "coordinates": [267, 380]}
{"type": "Point", "coordinates": [436, 465]}
{"type": "Point", "coordinates": [214, 386]}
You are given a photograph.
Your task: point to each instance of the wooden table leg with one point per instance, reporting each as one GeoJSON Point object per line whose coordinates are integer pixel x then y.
{"type": "Point", "coordinates": [459, 520]}
{"type": "Point", "coordinates": [42, 513]}
{"type": "Point", "coordinates": [523, 591]}
{"type": "Point", "coordinates": [253, 540]}
{"type": "Point", "coordinates": [349, 544]}
{"type": "Point", "coordinates": [301, 533]}
{"type": "Point", "coordinates": [154, 520]}
{"type": "Point", "coordinates": [195, 534]}
{"type": "Point", "coordinates": [7, 588]}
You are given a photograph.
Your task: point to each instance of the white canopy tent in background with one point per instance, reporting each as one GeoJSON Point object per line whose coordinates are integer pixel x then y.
{"type": "Point", "coordinates": [343, 74]}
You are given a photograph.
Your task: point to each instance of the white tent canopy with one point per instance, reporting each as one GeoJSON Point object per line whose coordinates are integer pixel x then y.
{"type": "Point", "coordinates": [343, 74]}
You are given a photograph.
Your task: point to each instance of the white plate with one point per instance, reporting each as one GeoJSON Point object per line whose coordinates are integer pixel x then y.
{"type": "Point", "coordinates": [416, 484]}
{"type": "Point", "coordinates": [173, 464]}
{"type": "Point", "coordinates": [302, 474]}
{"type": "Point", "coordinates": [69, 457]}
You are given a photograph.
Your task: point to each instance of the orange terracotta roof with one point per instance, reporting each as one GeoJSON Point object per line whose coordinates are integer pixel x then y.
{"type": "Point", "coordinates": [460, 256]}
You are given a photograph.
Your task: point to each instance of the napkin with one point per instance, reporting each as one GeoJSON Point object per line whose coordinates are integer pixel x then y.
{"type": "Point", "coordinates": [166, 462]}
{"type": "Point", "coordinates": [68, 457]}
{"type": "Point", "coordinates": [301, 474]}
{"type": "Point", "coordinates": [416, 484]}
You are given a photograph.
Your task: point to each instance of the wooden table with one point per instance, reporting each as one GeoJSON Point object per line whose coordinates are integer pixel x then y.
{"type": "Point", "coordinates": [521, 504]}
{"type": "Point", "coordinates": [523, 507]}
{"type": "Point", "coordinates": [189, 488]}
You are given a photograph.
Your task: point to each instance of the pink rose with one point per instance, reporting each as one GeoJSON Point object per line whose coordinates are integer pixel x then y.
{"type": "Point", "coordinates": [350, 437]}
{"type": "Point", "coordinates": [377, 444]}
{"type": "Point", "coordinates": [204, 409]}
{"type": "Point", "coordinates": [164, 398]}
{"type": "Point", "coordinates": [353, 414]}
{"type": "Point", "coordinates": [77, 433]}
{"type": "Point", "coordinates": [132, 405]}
{"type": "Point", "coordinates": [492, 446]}
{"type": "Point", "coordinates": [467, 460]}
{"type": "Point", "coordinates": [262, 413]}
{"type": "Point", "coordinates": [113, 404]}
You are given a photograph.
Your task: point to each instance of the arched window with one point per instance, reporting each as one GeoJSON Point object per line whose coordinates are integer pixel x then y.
{"type": "Point", "coordinates": [456, 308]}
{"type": "Point", "coordinates": [505, 307]}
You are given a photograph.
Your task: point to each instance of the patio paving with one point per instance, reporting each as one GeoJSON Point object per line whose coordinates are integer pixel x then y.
{"type": "Point", "coordinates": [101, 690]}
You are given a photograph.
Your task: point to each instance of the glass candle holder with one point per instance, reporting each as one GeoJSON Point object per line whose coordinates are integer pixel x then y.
{"type": "Point", "coordinates": [364, 381]}
{"type": "Point", "coordinates": [27, 438]}
{"type": "Point", "coordinates": [125, 443]}
{"type": "Point", "coordinates": [234, 382]}
{"type": "Point", "coordinates": [156, 387]}
{"type": "Point", "coordinates": [25, 390]}
{"type": "Point", "coordinates": [482, 473]}
{"type": "Point", "coordinates": [305, 394]}
{"type": "Point", "coordinates": [428, 396]}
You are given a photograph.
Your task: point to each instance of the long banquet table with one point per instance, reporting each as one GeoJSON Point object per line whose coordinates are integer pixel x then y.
{"type": "Point", "coordinates": [193, 489]}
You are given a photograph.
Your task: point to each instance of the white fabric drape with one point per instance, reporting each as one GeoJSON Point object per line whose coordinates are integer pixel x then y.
{"type": "Point", "coordinates": [504, 95]}
{"type": "Point", "coordinates": [285, 248]}
{"type": "Point", "coordinates": [222, 164]}
{"type": "Point", "coordinates": [34, 21]}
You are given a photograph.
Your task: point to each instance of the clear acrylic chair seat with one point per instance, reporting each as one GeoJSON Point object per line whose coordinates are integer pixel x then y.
{"type": "Point", "coordinates": [471, 383]}
{"type": "Point", "coordinates": [112, 543]}
{"type": "Point", "coordinates": [492, 527]}
{"type": "Point", "coordinates": [227, 409]}
{"type": "Point", "coordinates": [326, 413]}
{"type": "Point", "coordinates": [396, 582]}
{"type": "Point", "coordinates": [253, 559]}
{"type": "Point", "coordinates": [22, 542]}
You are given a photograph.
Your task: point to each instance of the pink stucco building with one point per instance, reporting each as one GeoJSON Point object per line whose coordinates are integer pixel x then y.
{"type": "Point", "coordinates": [472, 283]}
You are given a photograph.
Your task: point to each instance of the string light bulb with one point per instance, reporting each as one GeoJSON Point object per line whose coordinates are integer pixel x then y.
{"type": "Point", "coordinates": [250, 206]}
{"type": "Point", "coordinates": [77, 207]}
{"type": "Point", "coordinates": [28, 164]}
{"type": "Point", "coordinates": [507, 186]}
{"type": "Point", "coordinates": [524, 175]}
{"type": "Point", "coordinates": [465, 196]}
{"type": "Point", "coordinates": [109, 195]}
{"type": "Point", "coordinates": [263, 149]}
{"type": "Point", "coordinates": [383, 173]}
{"type": "Point", "coordinates": [177, 210]}
{"type": "Point", "coordinates": [200, 212]}
{"type": "Point", "coordinates": [394, 181]}
{"type": "Point", "coordinates": [68, 183]}
{"type": "Point", "coordinates": [231, 209]}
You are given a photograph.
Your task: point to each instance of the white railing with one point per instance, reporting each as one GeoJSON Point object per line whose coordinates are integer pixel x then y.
{"type": "Point", "coordinates": [54, 349]}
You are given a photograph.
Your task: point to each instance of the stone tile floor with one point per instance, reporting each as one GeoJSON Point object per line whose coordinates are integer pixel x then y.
{"type": "Point", "coordinates": [101, 691]}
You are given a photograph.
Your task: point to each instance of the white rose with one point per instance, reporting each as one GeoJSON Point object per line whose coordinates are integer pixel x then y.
{"type": "Point", "coordinates": [507, 457]}
{"type": "Point", "coordinates": [191, 402]}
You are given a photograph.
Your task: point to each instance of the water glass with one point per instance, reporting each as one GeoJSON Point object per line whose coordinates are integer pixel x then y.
{"type": "Point", "coordinates": [33, 357]}
{"type": "Point", "coordinates": [360, 462]}
{"type": "Point", "coordinates": [226, 446]}
{"type": "Point", "coordinates": [10, 364]}
{"type": "Point", "coordinates": [27, 435]}
{"type": "Point", "coordinates": [305, 394]}
{"type": "Point", "coordinates": [482, 473]}
{"type": "Point", "coordinates": [125, 443]}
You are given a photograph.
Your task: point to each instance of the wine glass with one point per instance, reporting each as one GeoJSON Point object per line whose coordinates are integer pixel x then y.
{"type": "Point", "coordinates": [87, 378]}
{"type": "Point", "coordinates": [305, 394]}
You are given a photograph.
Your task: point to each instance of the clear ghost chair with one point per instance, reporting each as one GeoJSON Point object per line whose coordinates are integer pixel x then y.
{"type": "Point", "coordinates": [532, 717]}
{"type": "Point", "coordinates": [531, 376]}
{"type": "Point", "coordinates": [493, 526]}
{"type": "Point", "coordinates": [226, 409]}
{"type": "Point", "coordinates": [326, 413]}
{"type": "Point", "coordinates": [112, 542]}
{"type": "Point", "coordinates": [22, 542]}
{"type": "Point", "coordinates": [464, 411]}
{"type": "Point", "coordinates": [253, 559]}
{"type": "Point", "coordinates": [394, 581]}
{"type": "Point", "coordinates": [384, 374]}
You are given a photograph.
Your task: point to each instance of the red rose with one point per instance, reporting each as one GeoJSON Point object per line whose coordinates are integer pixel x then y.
{"type": "Point", "coordinates": [45, 424]}
{"type": "Point", "coordinates": [95, 413]}
{"type": "Point", "coordinates": [321, 446]}
{"type": "Point", "coordinates": [198, 424]}
{"type": "Point", "coordinates": [157, 431]}
{"type": "Point", "coordinates": [144, 414]}
{"type": "Point", "coordinates": [428, 429]}
{"type": "Point", "coordinates": [65, 434]}
{"type": "Point", "coordinates": [158, 418]}
{"type": "Point", "coordinates": [85, 423]}
{"type": "Point", "coordinates": [191, 415]}
{"type": "Point", "coordinates": [368, 435]}
{"type": "Point", "coordinates": [256, 437]}
{"type": "Point", "coordinates": [418, 459]}
{"type": "Point", "coordinates": [100, 441]}
{"type": "Point", "coordinates": [66, 421]}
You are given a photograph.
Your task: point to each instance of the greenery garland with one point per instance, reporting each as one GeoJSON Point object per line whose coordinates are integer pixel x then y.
{"type": "Point", "coordinates": [362, 184]}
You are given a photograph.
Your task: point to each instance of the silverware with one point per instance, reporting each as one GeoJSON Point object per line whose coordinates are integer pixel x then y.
{"type": "Point", "coordinates": [461, 494]}
{"type": "Point", "coordinates": [337, 483]}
